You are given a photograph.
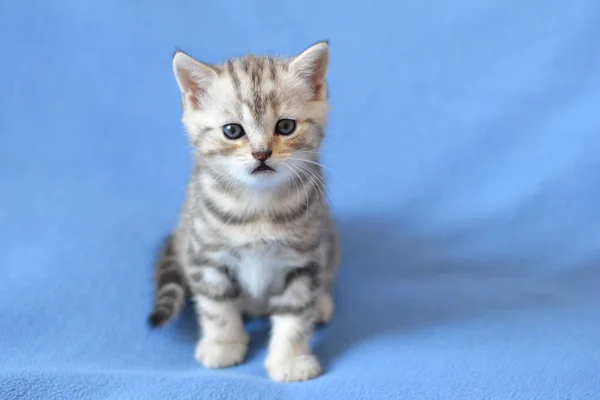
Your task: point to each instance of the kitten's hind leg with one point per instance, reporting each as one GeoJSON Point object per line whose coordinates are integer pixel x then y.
{"type": "Point", "coordinates": [325, 305]}
{"type": "Point", "coordinates": [324, 308]}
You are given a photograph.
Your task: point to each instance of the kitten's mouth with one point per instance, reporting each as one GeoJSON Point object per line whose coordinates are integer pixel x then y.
{"type": "Point", "coordinates": [262, 169]}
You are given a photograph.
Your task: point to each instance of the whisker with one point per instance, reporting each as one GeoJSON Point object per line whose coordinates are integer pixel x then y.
{"type": "Point", "coordinates": [301, 181]}
{"type": "Point", "coordinates": [294, 179]}
{"type": "Point", "coordinates": [285, 174]}
{"type": "Point", "coordinates": [224, 181]}
{"type": "Point", "coordinates": [318, 152]}
{"type": "Point", "coordinates": [312, 162]}
{"type": "Point", "coordinates": [317, 187]}
{"type": "Point", "coordinates": [319, 182]}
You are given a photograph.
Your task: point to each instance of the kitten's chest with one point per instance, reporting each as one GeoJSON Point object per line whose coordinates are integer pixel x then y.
{"type": "Point", "coordinates": [261, 270]}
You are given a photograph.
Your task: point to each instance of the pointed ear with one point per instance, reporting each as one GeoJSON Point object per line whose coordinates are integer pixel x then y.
{"type": "Point", "coordinates": [311, 65]}
{"type": "Point", "coordinates": [193, 78]}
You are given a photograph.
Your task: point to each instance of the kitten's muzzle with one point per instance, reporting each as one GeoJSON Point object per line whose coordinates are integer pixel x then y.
{"type": "Point", "coordinates": [262, 156]}
{"type": "Point", "coordinates": [262, 167]}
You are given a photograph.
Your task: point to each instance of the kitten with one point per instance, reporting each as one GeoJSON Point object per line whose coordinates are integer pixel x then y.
{"type": "Point", "coordinates": [255, 235]}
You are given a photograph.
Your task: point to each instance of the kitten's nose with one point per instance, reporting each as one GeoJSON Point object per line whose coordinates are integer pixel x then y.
{"type": "Point", "coordinates": [262, 155]}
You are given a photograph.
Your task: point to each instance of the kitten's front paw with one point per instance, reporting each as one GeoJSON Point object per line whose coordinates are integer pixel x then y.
{"type": "Point", "coordinates": [294, 369]}
{"type": "Point", "coordinates": [215, 354]}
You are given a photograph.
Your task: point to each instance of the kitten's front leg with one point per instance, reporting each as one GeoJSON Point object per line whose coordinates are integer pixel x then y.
{"type": "Point", "coordinates": [224, 341]}
{"type": "Point", "coordinates": [294, 313]}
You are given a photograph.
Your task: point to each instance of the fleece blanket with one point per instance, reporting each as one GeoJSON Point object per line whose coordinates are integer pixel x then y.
{"type": "Point", "coordinates": [464, 169]}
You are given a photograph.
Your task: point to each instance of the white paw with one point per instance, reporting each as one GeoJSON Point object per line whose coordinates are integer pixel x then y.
{"type": "Point", "coordinates": [294, 369]}
{"type": "Point", "coordinates": [325, 308]}
{"type": "Point", "coordinates": [215, 354]}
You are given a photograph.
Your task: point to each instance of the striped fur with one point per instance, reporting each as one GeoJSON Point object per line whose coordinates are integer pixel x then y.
{"type": "Point", "coordinates": [247, 242]}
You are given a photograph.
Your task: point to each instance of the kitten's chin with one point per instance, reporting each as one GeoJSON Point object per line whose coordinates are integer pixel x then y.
{"type": "Point", "coordinates": [263, 180]}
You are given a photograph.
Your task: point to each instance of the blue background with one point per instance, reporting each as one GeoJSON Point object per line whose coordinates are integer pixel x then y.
{"type": "Point", "coordinates": [464, 145]}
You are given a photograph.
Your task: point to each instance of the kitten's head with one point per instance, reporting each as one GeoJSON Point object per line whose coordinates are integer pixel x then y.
{"type": "Point", "coordinates": [256, 120]}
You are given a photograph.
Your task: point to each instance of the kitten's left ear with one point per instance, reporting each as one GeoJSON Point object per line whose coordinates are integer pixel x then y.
{"type": "Point", "coordinates": [311, 65]}
{"type": "Point", "coordinates": [193, 78]}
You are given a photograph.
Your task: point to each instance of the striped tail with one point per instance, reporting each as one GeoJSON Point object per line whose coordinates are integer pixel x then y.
{"type": "Point", "coordinates": [170, 286]}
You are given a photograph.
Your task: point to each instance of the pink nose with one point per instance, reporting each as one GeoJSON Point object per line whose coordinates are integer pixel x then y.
{"type": "Point", "coordinates": [262, 155]}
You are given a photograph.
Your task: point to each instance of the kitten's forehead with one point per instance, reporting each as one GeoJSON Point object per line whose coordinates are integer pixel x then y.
{"type": "Point", "coordinates": [259, 87]}
{"type": "Point", "coordinates": [252, 75]}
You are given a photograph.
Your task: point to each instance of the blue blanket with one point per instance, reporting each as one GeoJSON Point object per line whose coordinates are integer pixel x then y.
{"type": "Point", "coordinates": [464, 155]}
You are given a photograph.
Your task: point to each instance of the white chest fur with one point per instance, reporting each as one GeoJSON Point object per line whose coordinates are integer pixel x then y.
{"type": "Point", "coordinates": [260, 271]}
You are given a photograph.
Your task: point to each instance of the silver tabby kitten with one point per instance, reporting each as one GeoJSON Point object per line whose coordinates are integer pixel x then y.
{"type": "Point", "coordinates": [255, 235]}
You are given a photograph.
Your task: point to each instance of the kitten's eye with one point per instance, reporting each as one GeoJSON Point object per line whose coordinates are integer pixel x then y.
{"type": "Point", "coordinates": [233, 131]}
{"type": "Point", "coordinates": [285, 127]}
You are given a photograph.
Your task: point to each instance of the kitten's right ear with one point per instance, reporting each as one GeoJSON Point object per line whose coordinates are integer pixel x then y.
{"type": "Point", "coordinates": [193, 78]}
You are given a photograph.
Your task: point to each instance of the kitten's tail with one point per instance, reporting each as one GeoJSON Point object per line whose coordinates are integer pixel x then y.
{"type": "Point", "coordinates": [170, 286]}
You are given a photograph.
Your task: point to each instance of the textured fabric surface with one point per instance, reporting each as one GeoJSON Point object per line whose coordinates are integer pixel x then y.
{"type": "Point", "coordinates": [464, 149]}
